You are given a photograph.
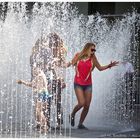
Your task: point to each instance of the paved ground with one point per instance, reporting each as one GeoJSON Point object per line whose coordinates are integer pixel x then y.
{"type": "Point", "coordinates": [96, 132]}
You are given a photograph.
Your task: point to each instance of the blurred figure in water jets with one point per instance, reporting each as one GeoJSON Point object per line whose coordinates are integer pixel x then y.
{"type": "Point", "coordinates": [127, 69]}
{"type": "Point", "coordinates": [41, 94]}
{"type": "Point", "coordinates": [57, 74]}
{"type": "Point", "coordinates": [85, 62]}
{"type": "Point", "coordinates": [127, 75]}
{"type": "Point", "coordinates": [41, 56]}
{"type": "Point", "coordinates": [50, 57]}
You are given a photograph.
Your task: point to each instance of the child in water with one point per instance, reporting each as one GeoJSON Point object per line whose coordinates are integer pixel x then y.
{"type": "Point", "coordinates": [40, 90]}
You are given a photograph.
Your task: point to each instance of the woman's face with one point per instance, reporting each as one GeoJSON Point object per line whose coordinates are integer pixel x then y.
{"type": "Point", "coordinates": [92, 50]}
{"type": "Point", "coordinates": [62, 51]}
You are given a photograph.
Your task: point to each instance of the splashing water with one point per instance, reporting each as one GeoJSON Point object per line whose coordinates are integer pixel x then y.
{"type": "Point", "coordinates": [115, 40]}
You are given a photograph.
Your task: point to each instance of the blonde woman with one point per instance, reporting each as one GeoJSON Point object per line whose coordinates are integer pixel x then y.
{"type": "Point", "coordinates": [85, 62]}
{"type": "Point", "coordinates": [49, 56]}
{"type": "Point", "coordinates": [40, 90]}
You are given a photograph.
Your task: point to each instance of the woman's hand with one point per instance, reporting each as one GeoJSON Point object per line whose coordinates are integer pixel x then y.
{"type": "Point", "coordinates": [68, 64]}
{"type": "Point", "coordinates": [19, 81]}
{"type": "Point", "coordinates": [112, 64]}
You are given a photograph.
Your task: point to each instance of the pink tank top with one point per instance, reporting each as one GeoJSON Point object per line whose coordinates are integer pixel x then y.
{"type": "Point", "coordinates": [83, 72]}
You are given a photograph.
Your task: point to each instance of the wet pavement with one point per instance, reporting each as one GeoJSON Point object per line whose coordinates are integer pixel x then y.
{"type": "Point", "coordinates": [96, 132]}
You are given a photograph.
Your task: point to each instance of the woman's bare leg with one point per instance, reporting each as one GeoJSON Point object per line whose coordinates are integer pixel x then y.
{"type": "Point", "coordinates": [38, 112]}
{"type": "Point", "coordinates": [43, 117]}
{"type": "Point", "coordinates": [43, 122]}
{"type": "Point", "coordinates": [81, 100]}
{"type": "Point", "coordinates": [88, 97]}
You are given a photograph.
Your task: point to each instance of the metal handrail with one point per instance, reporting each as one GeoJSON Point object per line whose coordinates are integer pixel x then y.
{"type": "Point", "coordinates": [113, 15]}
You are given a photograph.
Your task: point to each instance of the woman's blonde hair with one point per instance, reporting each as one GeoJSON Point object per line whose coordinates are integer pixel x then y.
{"type": "Point", "coordinates": [83, 53]}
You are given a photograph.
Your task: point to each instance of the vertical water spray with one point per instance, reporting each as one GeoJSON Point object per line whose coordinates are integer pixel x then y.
{"type": "Point", "coordinates": [19, 31]}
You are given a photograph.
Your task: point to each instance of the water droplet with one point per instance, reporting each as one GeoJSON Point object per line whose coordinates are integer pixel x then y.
{"type": "Point", "coordinates": [1, 112]}
{"type": "Point", "coordinates": [10, 117]}
{"type": "Point", "coordinates": [28, 123]}
{"type": "Point", "coordinates": [60, 134]}
{"type": "Point", "coordinates": [5, 85]}
{"type": "Point", "coordinates": [123, 114]}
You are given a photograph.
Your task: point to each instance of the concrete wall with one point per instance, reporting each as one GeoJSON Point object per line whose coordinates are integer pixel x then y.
{"type": "Point", "coordinates": [106, 7]}
{"type": "Point", "coordinates": [123, 7]}
{"type": "Point", "coordinates": [82, 7]}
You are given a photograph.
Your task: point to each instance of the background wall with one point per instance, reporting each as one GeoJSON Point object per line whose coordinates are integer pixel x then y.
{"type": "Point", "coordinates": [107, 7]}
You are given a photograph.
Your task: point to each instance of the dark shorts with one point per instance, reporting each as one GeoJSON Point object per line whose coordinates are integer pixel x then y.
{"type": "Point", "coordinates": [44, 96]}
{"type": "Point", "coordinates": [87, 88]}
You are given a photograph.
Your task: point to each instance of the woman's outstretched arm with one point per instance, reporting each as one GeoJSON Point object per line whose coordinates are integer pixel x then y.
{"type": "Point", "coordinates": [29, 84]}
{"type": "Point", "coordinates": [101, 68]}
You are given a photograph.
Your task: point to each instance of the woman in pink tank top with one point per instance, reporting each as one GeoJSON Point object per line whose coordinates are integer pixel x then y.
{"type": "Point", "coordinates": [84, 63]}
